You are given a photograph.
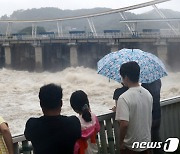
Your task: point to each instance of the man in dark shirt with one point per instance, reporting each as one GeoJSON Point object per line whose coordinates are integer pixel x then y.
{"type": "Point", "coordinates": [119, 91]}
{"type": "Point", "coordinates": [52, 133]}
{"type": "Point", "coordinates": [155, 88]}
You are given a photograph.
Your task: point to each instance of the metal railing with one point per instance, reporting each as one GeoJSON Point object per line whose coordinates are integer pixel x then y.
{"type": "Point", "coordinates": [121, 35]}
{"type": "Point", "coordinates": [108, 137]}
{"type": "Point", "coordinates": [170, 119]}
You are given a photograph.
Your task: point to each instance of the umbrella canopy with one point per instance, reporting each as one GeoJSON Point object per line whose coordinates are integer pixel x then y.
{"type": "Point", "coordinates": [151, 67]}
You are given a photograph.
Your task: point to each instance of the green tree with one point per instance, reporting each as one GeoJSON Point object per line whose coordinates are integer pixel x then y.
{"type": "Point", "coordinates": [28, 30]}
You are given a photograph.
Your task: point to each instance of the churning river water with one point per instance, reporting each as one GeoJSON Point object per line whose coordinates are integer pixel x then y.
{"type": "Point", "coordinates": [19, 92]}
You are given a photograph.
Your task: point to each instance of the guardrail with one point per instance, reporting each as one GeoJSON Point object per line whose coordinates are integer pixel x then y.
{"type": "Point", "coordinates": [108, 137]}
{"type": "Point", "coordinates": [89, 36]}
{"type": "Point", "coordinates": [170, 120]}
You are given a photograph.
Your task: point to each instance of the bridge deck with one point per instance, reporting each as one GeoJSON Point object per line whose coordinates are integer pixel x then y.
{"type": "Point", "coordinates": [86, 38]}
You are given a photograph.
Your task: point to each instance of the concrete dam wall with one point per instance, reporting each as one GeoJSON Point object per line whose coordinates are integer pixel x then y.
{"type": "Point", "coordinates": [52, 56]}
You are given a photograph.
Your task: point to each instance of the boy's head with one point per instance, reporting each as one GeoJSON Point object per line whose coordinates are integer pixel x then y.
{"type": "Point", "coordinates": [50, 96]}
{"type": "Point", "coordinates": [130, 71]}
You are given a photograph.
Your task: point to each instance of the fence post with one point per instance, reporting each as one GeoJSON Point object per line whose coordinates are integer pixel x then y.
{"type": "Point", "coordinates": [16, 148]}
{"type": "Point", "coordinates": [25, 147]}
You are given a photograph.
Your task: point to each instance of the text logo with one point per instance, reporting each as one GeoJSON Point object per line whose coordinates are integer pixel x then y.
{"type": "Point", "coordinates": [170, 145]}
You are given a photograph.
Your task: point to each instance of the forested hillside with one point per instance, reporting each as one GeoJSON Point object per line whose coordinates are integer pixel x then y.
{"type": "Point", "coordinates": [101, 22]}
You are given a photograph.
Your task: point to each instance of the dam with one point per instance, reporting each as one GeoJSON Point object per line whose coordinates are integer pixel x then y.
{"type": "Point", "coordinates": [44, 53]}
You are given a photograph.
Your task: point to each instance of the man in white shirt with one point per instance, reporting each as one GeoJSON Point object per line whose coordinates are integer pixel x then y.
{"type": "Point", "coordinates": [134, 111]}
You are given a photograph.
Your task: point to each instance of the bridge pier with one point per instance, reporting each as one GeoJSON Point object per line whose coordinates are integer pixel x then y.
{"type": "Point", "coordinates": [2, 56]}
{"type": "Point", "coordinates": [73, 54]}
{"type": "Point", "coordinates": [162, 50]}
{"type": "Point", "coordinates": [7, 50]}
{"type": "Point", "coordinates": [113, 47]}
{"type": "Point", "coordinates": [38, 57]}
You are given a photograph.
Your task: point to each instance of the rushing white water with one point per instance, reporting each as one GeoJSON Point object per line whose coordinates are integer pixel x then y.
{"type": "Point", "coordinates": [19, 92]}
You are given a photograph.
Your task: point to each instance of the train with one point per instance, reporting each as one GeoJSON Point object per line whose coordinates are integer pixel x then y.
{"type": "Point", "coordinates": [82, 33]}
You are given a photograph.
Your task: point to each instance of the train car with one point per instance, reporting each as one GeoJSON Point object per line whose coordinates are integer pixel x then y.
{"type": "Point", "coordinates": [111, 31]}
{"type": "Point", "coordinates": [18, 36]}
{"type": "Point", "coordinates": [77, 33]}
{"type": "Point", "coordinates": [151, 31]}
{"type": "Point", "coordinates": [47, 34]}
{"type": "Point", "coordinates": [2, 35]}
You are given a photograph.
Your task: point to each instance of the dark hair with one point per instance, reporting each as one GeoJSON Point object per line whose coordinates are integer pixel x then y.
{"type": "Point", "coordinates": [131, 70]}
{"type": "Point", "coordinates": [50, 96]}
{"type": "Point", "coordinates": [80, 103]}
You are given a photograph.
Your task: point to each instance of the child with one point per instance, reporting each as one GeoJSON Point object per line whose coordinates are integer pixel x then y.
{"type": "Point", "coordinates": [6, 144]}
{"type": "Point", "coordinates": [89, 124]}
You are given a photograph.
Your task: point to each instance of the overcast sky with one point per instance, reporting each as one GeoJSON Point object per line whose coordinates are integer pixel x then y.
{"type": "Point", "coordinates": [8, 6]}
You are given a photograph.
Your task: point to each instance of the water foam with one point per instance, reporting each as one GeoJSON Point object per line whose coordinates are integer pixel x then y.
{"type": "Point", "coordinates": [19, 92]}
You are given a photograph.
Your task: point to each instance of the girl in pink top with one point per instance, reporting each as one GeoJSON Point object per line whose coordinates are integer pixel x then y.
{"type": "Point", "coordinates": [89, 124]}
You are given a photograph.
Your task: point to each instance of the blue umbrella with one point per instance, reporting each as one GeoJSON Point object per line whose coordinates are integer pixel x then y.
{"type": "Point", "coordinates": [151, 67]}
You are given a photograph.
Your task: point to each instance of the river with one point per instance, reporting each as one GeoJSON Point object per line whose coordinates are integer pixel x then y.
{"type": "Point", "coordinates": [19, 92]}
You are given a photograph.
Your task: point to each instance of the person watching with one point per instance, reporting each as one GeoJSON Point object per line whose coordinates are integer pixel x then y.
{"type": "Point", "coordinates": [52, 133]}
